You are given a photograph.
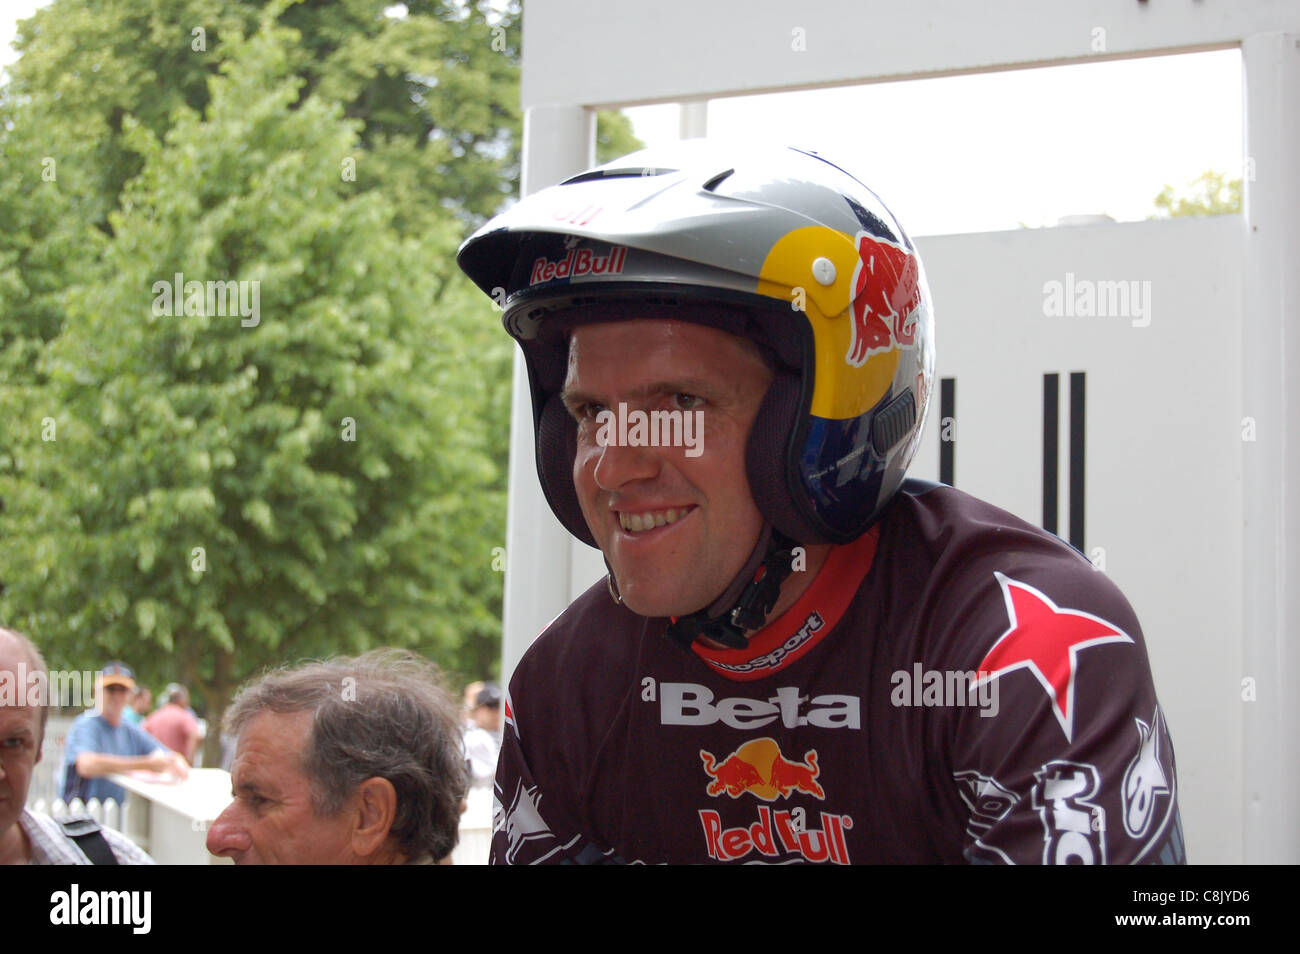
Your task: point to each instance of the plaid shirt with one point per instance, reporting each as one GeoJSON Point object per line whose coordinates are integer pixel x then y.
{"type": "Point", "coordinates": [50, 846]}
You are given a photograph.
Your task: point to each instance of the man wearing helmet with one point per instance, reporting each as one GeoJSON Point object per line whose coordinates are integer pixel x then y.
{"type": "Point", "coordinates": [797, 655]}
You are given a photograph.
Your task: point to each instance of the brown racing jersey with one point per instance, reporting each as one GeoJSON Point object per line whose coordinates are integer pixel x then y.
{"type": "Point", "coordinates": [954, 686]}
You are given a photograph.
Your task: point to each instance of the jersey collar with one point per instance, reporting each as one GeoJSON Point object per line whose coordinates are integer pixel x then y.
{"type": "Point", "coordinates": [795, 632]}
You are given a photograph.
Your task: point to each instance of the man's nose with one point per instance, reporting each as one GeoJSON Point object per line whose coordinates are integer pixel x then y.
{"type": "Point", "coordinates": [228, 836]}
{"type": "Point", "coordinates": [620, 462]}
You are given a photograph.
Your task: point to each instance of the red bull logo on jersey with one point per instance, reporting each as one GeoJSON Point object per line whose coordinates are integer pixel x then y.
{"type": "Point", "coordinates": [758, 767]}
{"type": "Point", "coordinates": [886, 292]}
{"type": "Point", "coordinates": [778, 835]}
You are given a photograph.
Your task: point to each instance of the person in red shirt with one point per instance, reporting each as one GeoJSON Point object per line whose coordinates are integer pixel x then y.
{"type": "Point", "coordinates": [174, 725]}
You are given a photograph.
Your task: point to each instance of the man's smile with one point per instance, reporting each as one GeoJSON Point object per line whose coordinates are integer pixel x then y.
{"type": "Point", "coordinates": [640, 521]}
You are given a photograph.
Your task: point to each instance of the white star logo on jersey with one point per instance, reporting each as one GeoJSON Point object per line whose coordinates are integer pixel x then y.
{"type": "Point", "coordinates": [1144, 779]}
{"type": "Point", "coordinates": [1046, 640]}
{"type": "Point", "coordinates": [523, 822]}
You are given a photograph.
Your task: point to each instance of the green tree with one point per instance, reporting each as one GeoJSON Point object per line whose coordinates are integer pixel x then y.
{"type": "Point", "coordinates": [436, 90]}
{"type": "Point", "coordinates": [208, 494]}
{"type": "Point", "coordinates": [1210, 193]}
{"type": "Point", "coordinates": [614, 136]}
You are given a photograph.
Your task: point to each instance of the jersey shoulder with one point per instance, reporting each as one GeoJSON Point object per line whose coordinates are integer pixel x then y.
{"type": "Point", "coordinates": [959, 559]}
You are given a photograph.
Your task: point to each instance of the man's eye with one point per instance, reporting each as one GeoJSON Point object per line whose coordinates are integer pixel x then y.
{"type": "Point", "coordinates": [687, 402]}
{"type": "Point", "coordinates": [587, 412]}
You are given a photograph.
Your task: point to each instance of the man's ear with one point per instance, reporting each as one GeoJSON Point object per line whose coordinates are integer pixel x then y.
{"type": "Point", "coordinates": [375, 806]}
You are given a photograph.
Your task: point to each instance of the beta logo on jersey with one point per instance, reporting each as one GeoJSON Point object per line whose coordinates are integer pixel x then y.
{"type": "Point", "coordinates": [689, 703]}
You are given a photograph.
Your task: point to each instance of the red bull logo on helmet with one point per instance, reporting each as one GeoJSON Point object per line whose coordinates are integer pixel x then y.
{"type": "Point", "coordinates": [577, 263]}
{"type": "Point", "coordinates": [886, 296]}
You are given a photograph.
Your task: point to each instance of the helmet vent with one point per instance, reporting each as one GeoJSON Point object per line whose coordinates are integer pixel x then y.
{"type": "Point", "coordinates": [636, 172]}
{"type": "Point", "coordinates": [717, 180]}
{"type": "Point", "coordinates": [892, 422]}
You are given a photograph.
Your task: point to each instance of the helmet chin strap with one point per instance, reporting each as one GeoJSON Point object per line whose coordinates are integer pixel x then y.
{"type": "Point", "coordinates": [744, 605]}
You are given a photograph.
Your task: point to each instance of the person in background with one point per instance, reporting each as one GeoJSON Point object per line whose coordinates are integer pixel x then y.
{"type": "Point", "coordinates": [347, 761]}
{"type": "Point", "coordinates": [471, 700]}
{"type": "Point", "coordinates": [174, 725]}
{"type": "Point", "coordinates": [28, 837]}
{"type": "Point", "coordinates": [102, 742]}
{"type": "Point", "coordinates": [140, 705]}
{"type": "Point", "coordinates": [483, 734]}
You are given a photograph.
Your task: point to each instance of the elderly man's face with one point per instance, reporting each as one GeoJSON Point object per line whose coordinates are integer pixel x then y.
{"type": "Point", "coordinates": [675, 528]}
{"type": "Point", "coordinates": [20, 730]}
{"type": "Point", "coordinates": [272, 820]}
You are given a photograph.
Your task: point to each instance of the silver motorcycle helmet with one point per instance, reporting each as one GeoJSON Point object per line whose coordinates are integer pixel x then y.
{"type": "Point", "coordinates": [773, 244]}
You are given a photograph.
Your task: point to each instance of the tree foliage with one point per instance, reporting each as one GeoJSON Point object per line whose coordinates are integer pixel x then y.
{"type": "Point", "coordinates": [614, 136]}
{"type": "Point", "coordinates": [206, 491]}
{"type": "Point", "coordinates": [1210, 193]}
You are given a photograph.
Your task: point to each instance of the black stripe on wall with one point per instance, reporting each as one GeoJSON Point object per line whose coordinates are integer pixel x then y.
{"type": "Point", "coordinates": [1051, 448]}
{"type": "Point", "coordinates": [947, 428]}
{"type": "Point", "coordinates": [1078, 393]}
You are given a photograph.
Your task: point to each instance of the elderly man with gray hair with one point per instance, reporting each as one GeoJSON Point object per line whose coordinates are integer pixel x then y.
{"type": "Point", "coordinates": [348, 761]}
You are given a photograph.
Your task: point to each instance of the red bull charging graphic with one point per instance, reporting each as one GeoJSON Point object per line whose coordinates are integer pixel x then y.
{"type": "Point", "coordinates": [760, 769]}
{"type": "Point", "coordinates": [886, 297]}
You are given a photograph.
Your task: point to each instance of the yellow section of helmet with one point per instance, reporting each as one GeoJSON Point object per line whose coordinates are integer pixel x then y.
{"type": "Point", "coordinates": [790, 273]}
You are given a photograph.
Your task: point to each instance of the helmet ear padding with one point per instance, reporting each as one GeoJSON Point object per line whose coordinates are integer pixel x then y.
{"type": "Point", "coordinates": [557, 448]}
{"type": "Point", "coordinates": [767, 456]}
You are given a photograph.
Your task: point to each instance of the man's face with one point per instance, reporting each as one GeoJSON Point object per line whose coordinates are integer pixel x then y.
{"type": "Point", "coordinates": [112, 702]}
{"type": "Point", "coordinates": [20, 736]}
{"type": "Point", "coordinates": [488, 717]}
{"type": "Point", "coordinates": [701, 517]}
{"type": "Point", "coordinates": [271, 820]}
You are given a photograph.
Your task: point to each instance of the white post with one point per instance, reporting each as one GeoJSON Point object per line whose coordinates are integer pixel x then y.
{"type": "Point", "coordinates": [1271, 461]}
{"type": "Point", "coordinates": [558, 142]}
{"type": "Point", "coordinates": [693, 119]}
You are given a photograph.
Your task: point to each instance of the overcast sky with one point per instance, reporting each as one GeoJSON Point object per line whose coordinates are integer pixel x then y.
{"type": "Point", "coordinates": [991, 151]}
{"type": "Point", "coordinates": [994, 150]}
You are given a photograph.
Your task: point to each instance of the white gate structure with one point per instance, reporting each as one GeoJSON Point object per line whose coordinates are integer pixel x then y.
{"type": "Point", "coordinates": [1166, 447]}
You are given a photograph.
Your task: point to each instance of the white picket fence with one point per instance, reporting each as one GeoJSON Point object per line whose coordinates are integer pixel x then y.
{"type": "Point", "coordinates": [108, 812]}
{"type": "Point", "coordinates": [47, 778]}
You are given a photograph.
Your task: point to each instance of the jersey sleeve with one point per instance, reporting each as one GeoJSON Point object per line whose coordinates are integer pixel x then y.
{"type": "Point", "coordinates": [1061, 753]}
{"type": "Point", "coordinates": [530, 824]}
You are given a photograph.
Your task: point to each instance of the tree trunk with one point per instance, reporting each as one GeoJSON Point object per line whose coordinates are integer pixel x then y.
{"type": "Point", "coordinates": [217, 695]}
